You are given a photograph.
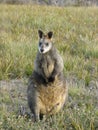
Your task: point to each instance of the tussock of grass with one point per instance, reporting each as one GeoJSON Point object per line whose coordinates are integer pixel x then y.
{"type": "Point", "coordinates": [76, 37]}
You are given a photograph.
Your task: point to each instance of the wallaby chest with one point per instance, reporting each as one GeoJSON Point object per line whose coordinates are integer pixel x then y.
{"type": "Point", "coordinates": [46, 64]}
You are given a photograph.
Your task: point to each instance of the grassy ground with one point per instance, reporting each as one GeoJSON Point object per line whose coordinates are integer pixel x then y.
{"type": "Point", "coordinates": [76, 37]}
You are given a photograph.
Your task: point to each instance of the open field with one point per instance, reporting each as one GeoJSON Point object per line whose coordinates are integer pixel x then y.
{"type": "Point", "coordinates": [76, 37]}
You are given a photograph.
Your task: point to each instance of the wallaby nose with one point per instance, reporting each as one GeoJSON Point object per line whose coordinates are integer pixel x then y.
{"type": "Point", "coordinates": [42, 50]}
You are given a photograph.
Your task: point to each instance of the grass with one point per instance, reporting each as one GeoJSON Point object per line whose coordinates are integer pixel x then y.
{"type": "Point", "coordinates": [76, 37]}
{"type": "Point", "coordinates": [80, 112]}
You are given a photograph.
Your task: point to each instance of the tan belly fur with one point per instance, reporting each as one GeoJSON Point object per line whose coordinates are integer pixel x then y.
{"type": "Point", "coordinates": [51, 98]}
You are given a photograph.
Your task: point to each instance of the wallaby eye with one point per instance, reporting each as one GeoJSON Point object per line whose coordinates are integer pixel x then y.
{"type": "Point", "coordinates": [47, 44]}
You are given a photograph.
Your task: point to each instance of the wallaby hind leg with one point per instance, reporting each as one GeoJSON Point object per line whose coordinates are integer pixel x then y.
{"type": "Point", "coordinates": [34, 109]}
{"type": "Point", "coordinates": [36, 114]}
{"type": "Point", "coordinates": [33, 105]}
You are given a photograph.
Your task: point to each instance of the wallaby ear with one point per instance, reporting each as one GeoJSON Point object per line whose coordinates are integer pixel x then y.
{"type": "Point", "coordinates": [40, 33]}
{"type": "Point", "coordinates": [50, 34]}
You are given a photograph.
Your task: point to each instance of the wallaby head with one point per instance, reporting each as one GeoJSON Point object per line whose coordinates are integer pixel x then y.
{"type": "Point", "coordinates": [45, 42]}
